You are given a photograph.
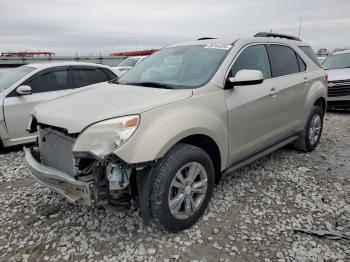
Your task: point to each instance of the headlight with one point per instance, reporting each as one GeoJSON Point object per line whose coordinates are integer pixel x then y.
{"type": "Point", "coordinates": [104, 137]}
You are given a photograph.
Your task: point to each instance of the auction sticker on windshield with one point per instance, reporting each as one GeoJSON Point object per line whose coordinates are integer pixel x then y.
{"type": "Point", "coordinates": [218, 46]}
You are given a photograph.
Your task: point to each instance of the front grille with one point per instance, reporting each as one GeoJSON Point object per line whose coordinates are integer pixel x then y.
{"type": "Point", "coordinates": [56, 149]}
{"type": "Point", "coordinates": [339, 88]}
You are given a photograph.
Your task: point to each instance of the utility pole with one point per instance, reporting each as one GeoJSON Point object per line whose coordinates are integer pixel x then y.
{"type": "Point", "coordinates": [300, 22]}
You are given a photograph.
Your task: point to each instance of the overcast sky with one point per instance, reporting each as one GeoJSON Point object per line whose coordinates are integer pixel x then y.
{"type": "Point", "coordinates": [92, 26]}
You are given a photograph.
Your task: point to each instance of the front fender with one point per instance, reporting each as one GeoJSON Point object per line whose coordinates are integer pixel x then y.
{"type": "Point", "coordinates": [161, 128]}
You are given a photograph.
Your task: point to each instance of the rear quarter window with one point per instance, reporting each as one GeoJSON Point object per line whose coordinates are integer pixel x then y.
{"type": "Point", "coordinates": [310, 53]}
{"type": "Point", "coordinates": [302, 65]}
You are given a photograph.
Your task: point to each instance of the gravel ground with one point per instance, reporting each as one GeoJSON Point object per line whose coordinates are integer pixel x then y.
{"type": "Point", "coordinates": [251, 217]}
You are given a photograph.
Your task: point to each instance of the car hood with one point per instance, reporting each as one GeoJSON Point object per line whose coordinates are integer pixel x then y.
{"type": "Point", "coordinates": [102, 101]}
{"type": "Point", "coordinates": [338, 74]}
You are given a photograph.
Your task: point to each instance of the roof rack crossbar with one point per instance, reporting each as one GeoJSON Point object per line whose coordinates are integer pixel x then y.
{"type": "Point", "coordinates": [205, 38]}
{"type": "Point", "coordinates": [265, 34]}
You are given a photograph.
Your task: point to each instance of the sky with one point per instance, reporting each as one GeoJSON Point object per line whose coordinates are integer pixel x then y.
{"type": "Point", "coordinates": [91, 27]}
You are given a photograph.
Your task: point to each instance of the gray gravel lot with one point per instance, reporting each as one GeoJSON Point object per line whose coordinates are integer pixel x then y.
{"type": "Point", "coordinates": [251, 217]}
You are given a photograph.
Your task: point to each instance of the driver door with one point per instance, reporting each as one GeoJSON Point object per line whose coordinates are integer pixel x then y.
{"type": "Point", "coordinates": [45, 85]}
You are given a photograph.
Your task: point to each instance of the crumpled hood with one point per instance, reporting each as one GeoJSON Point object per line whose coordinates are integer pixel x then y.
{"type": "Point", "coordinates": [338, 74]}
{"type": "Point", "coordinates": [102, 101]}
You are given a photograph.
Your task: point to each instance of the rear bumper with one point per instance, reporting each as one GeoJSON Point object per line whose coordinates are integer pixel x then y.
{"type": "Point", "coordinates": [76, 191]}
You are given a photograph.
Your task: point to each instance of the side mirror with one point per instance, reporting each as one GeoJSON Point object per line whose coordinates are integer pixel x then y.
{"type": "Point", "coordinates": [245, 77]}
{"type": "Point", "coordinates": [24, 90]}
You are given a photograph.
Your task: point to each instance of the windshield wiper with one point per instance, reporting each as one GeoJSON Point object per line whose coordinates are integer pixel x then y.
{"type": "Point", "coordinates": [151, 84]}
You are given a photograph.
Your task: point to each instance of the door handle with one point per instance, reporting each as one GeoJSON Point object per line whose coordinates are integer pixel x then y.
{"type": "Point", "coordinates": [274, 91]}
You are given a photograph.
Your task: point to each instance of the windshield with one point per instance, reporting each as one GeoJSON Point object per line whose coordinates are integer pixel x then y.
{"type": "Point", "coordinates": [129, 62]}
{"type": "Point", "coordinates": [10, 77]}
{"type": "Point", "coordinates": [178, 67]}
{"type": "Point", "coordinates": [337, 61]}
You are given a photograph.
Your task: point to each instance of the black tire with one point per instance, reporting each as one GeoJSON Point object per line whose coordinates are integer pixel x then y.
{"type": "Point", "coordinates": [303, 143]}
{"type": "Point", "coordinates": [2, 149]}
{"type": "Point", "coordinates": [173, 161]}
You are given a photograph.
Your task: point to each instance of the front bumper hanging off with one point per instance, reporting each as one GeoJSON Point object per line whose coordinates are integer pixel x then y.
{"type": "Point", "coordinates": [76, 191]}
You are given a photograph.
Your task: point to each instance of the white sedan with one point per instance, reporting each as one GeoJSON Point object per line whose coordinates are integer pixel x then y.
{"type": "Point", "coordinates": [24, 87]}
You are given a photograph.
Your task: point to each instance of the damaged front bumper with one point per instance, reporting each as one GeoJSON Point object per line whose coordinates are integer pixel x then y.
{"type": "Point", "coordinates": [76, 191]}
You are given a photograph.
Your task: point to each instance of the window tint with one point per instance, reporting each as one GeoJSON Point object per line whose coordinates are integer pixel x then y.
{"type": "Point", "coordinates": [310, 53]}
{"type": "Point", "coordinates": [88, 76]}
{"type": "Point", "coordinates": [254, 58]}
{"type": "Point", "coordinates": [302, 65]}
{"type": "Point", "coordinates": [50, 81]}
{"type": "Point", "coordinates": [283, 60]}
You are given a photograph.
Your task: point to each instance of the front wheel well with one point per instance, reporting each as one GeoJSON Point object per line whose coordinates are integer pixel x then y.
{"type": "Point", "coordinates": [321, 102]}
{"type": "Point", "coordinates": [210, 147]}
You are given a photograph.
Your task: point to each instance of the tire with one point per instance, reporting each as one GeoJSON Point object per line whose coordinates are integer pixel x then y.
{"type": "Point", "coordinates": [306, 142]}
{"type": "Point", "coordinates": [2, 148]}
{"type": "Point", "coordinates": [167, 188]}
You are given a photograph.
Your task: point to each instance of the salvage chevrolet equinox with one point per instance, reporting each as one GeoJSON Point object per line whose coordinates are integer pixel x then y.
{"type": "Point", "coordinates": [162, 135]}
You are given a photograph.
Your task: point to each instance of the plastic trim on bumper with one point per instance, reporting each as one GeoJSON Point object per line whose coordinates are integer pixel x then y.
{"type": "Point", "coordinates": [339, 98]}
{"type": "Point", "coordinates": [75, 191]}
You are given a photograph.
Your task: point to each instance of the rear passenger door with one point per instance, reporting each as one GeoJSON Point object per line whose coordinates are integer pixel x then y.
{"type": "Point", "coordinates": [290, 80]}
{"type": "Point", "coordinates": [88, 75]}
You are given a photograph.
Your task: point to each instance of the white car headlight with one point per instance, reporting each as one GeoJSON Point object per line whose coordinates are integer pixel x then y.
{"type": "Point", "coordinates": [104, 137]}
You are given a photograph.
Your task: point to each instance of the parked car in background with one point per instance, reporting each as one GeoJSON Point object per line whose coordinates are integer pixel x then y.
{"type": "Point", "coordinates": [24, 87]}
{"type": "Point", "coordinates": [338, 69]}
{"type": "Point", "coordinates": [164, 132]}
{"type": "Point", "coordinates": [321, 59]}
{"type": "Point", "coordinates": [128, 63]}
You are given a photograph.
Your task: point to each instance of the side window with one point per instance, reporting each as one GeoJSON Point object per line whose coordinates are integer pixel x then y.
{"type": "Point", "coordinates": [50, 81]}
{"type": "Point", "coordinates": [88, 76]}
{"type": "Point", "coordinates": [302, 65]}
{"type": "Point", "coordinates": [283, 60]}
{"type": "Point", "coordinates": [110, 75]}
{"type": "Point", "coordinates": [255, 58]}
{"type": "Point", "coordinates": [310, 53]}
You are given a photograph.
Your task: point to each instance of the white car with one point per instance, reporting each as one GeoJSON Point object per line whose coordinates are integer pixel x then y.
{"type": "Point", "coordinates": [337, 66]}
{"type": "Point", "coordinates": [24, 87]}
{"type": "Point", "coordinates": [128, 63]}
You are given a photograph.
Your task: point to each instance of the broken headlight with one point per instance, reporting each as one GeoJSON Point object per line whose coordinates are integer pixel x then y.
{"type": "Point", "coordinates": [104, 137]}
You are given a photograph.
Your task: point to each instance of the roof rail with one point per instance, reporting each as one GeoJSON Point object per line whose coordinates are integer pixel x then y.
{"type": "Point", "coordinates": [264, 34]}
{"type": "Point", "coordinates": [205, 38]}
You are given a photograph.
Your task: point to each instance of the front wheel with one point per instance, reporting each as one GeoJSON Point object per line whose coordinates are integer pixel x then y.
{"type": "Point", "coordinates": [311, 135]}
{"type": "Point", "coordinates": [182, 188]}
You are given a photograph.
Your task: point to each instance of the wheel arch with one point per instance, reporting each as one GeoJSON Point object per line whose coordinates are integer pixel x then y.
{"type": "Point", "coordinates": [207, 144]}
{"type": "Point", "coordinates": [157, 135]}
{"type": "Point", "coordinates": [317, 95]}
{"type": "Point", "coordinates": [321, 102]}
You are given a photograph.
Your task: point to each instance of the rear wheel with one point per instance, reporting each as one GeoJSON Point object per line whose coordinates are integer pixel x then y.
{"type": "Point", "coordinates": [310, 137]}
{"type": "Point", "coordinates": [2, 149]}
{"type": "Point", "coordinates": [182, 187]}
